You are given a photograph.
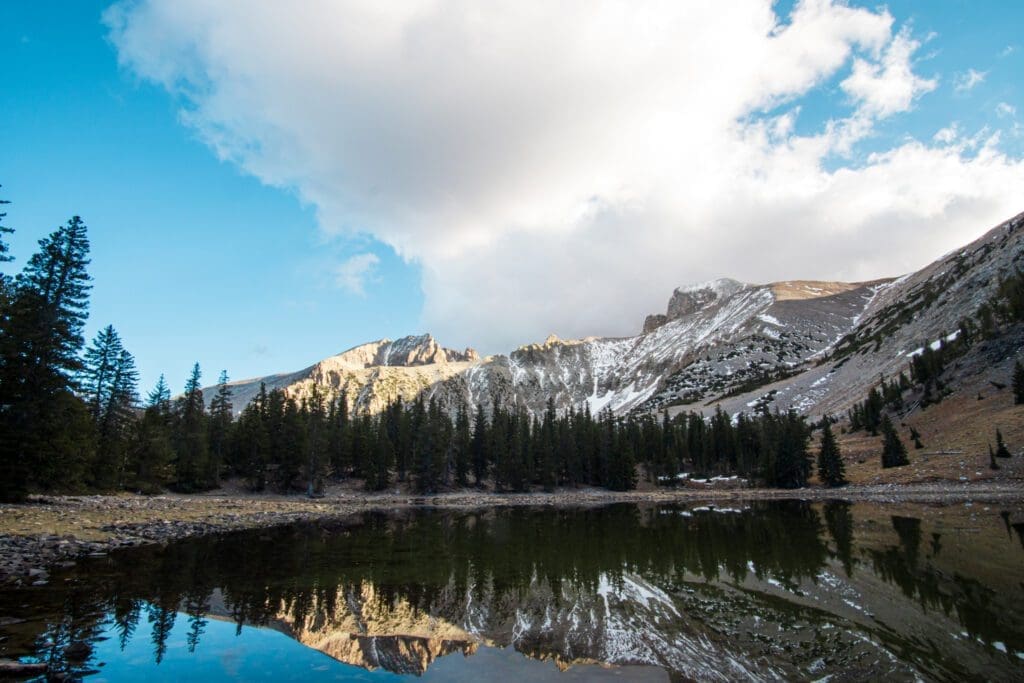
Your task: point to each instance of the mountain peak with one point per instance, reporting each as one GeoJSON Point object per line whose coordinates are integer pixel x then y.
{"type": "Point", "coordinates": [689, 299]}
{"type": "Point", "coordinates": [721, 287]}
{"type": "Point", "coordinates": [407, 351]}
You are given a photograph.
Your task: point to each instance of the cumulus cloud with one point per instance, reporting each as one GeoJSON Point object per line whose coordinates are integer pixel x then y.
{"type": "Point", "coordinates": [1005, 109]}
{"type": "Point", "coordinates": [353, 273]}
{"type": "Point", "coordinates": [888, 86]}
{"type": "Point", "coordinates": [560, 166]}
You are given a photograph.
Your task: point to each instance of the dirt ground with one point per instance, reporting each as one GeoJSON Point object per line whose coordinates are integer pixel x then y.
{"type": "Point", "coordinates": [955, 433]}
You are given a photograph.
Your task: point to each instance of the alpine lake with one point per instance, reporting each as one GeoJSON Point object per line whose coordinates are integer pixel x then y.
{"type": "Point", "coordinates": [760, 590]}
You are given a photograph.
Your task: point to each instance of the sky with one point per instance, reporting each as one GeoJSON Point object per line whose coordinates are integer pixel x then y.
{"type": "Point", "coordinates": [267, 184]}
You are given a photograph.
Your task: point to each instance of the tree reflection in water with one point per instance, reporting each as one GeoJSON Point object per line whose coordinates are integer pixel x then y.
{"type": "Point", "coordinates": [668, 585]}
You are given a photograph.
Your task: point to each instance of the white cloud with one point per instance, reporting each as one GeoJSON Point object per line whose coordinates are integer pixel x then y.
{"type": "Point", "coordinates": [1005, 109]}
{"type": "Point", "coordinates": [888, 86]}
{"type": "Point", "coordinates": [562, 165]}
{"type": "Point", "coordinates": [947, 135]}
{"type": "Point", "coordinates": [966, 81]}
{"type": "Point", "coordinates": [353, 273]}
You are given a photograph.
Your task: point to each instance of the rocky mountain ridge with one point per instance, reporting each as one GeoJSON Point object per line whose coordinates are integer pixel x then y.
{"type": "Point", "coordinates": [809, 345]}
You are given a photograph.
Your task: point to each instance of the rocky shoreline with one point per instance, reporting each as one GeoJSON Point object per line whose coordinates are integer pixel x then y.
{"type": "Point", "coordinates": [55, 531]}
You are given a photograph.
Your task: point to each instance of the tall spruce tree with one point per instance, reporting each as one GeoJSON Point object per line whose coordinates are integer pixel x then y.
{"type": "Point", "coordinates": [220, 422]}
{"type": "Point", "coordinates": [830, 462]}
{"type": "Point", "coordinates": [894, 453]}
{"type": "Point", "coordinates": [546, 447]}
{"type": "Point", "coordinates": [252, 441]}
{"type": "Point", "coordinates": [191, 447]}
{"type": "Point", "coordinates": [463, 446]}
{"type": "Point", "coordinates": [96, 379]}
{"type": "Point", "coordinates": [317, 460]}
{"type": "Point", "coordinates": [109, 386]}
{"type": "Point", "coordinates": [152, 454]}
{"type": "Point", "coordinates": [622, 467]}
{"type": "Point", "coordinates": [789, 463]}
{"type": "Point", "coordinates": [44, 429]}
{"type": "Point", "coordinates": [379, 462]}
{"type": "Point", "coordinates": [340, 440]}
{"type": "Point", "coordinates": [115, 424]}
{"type": "Point", "coordinates": [290, 449]}
{"type": "Point", "coordinates": [481, 454]}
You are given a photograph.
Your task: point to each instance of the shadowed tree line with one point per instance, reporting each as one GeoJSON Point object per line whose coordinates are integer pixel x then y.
{"type": "Point", "coordinates": [291, 444]}
{"type": "Point", "coordinates": [71, 420]}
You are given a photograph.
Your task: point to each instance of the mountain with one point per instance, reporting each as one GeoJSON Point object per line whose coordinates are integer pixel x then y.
{"type": "Point", "coordinates": [812, 346]}
{"type": "Point", "coordinates": [370, 375]}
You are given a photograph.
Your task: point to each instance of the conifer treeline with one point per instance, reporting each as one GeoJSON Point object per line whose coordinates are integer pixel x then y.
{"type": "Point", "coordinates": [288, 444]}
{"type": "Point", "coordinates": [71, 421]}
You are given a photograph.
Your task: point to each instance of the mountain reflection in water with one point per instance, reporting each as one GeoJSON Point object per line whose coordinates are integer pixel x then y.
{"type": "Point", "coordinates": [765, 590]}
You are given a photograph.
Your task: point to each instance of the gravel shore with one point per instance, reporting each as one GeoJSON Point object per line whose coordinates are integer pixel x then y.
{"type": "Point", "coordinates": [53, 531]}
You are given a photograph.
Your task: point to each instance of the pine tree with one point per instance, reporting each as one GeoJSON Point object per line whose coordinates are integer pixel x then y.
{"type": "Point", "coordinates": [100, 358]}
{"type": "Point", "coordinates": [191, 447]}
{"type": "Point", "coordinates": [221, 418]}
{"type": "Point", "coordinates": [53, 291]}
{"type": "Point", "coordinates": [432, 450]}
{"type": "Point", "coordinates": [340, 439]}
{"type": "Point", "coordinates": [252, 441]}
{"type": "Point", "coordinates": [481, 456]}
{"type": "Point", "coordinates": [114, 430]}
{"type": "Point", "coordinates": [316, 461]}
{"type": "Point", "coordinates": [786, 438]}
{"type": "Point", "coordinates": [152, 453]}
{"type": "Point", "coordinates": [916, 437]}
{"type": "Point", "coordinates": [546, 447]}
{"type": "Point", "coordinates": [1001, 450]}
{"type": "Point", "coordinates": [1018, 383]}
{"type": "Point", "coordinates": [992, 464]}
{"type": "Point", "coordinates": [160, 397]}
{"type": "Point", "coordinates": [109, 385]}
{"type": "Point", "coordinates": [622, 468]}
{"type": "Point", "coordinates": [894, 453]}
{"type": "Point", "coordinates": [39, 363]}
{"type": "Point", "coordinates": [291, 446]}
{"type": "Point", "coordinates": [830, 463]}
{"type": "Point", "coordinates": [463, 446]}
{"type": "Point", "coordinates": [377, 475]}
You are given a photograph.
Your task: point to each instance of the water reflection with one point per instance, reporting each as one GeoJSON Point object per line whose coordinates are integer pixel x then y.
{"type": "Point", "coordinates": [764, 590]}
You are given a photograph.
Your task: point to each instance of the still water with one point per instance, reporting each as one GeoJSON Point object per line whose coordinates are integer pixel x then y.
{"type": "Point", "coordinates": [763, 590]}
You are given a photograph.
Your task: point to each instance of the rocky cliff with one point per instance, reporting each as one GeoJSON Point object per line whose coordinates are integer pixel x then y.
{"type": "Point", "coordinates": [809, 345]}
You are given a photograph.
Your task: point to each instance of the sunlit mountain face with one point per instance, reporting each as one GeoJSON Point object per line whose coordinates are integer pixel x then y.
{"type": "Point", "coordinates": [764, 590]}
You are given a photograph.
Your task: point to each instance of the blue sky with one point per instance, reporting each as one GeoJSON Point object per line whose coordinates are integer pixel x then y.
{"type": "Point", "coordinates": [192, 259]}
{"type": "Point", "coordinates": [219, 234]}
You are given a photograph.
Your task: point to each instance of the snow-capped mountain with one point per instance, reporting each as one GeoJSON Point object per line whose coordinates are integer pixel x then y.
{"type": "Point", "coordinates": [809, 345]}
